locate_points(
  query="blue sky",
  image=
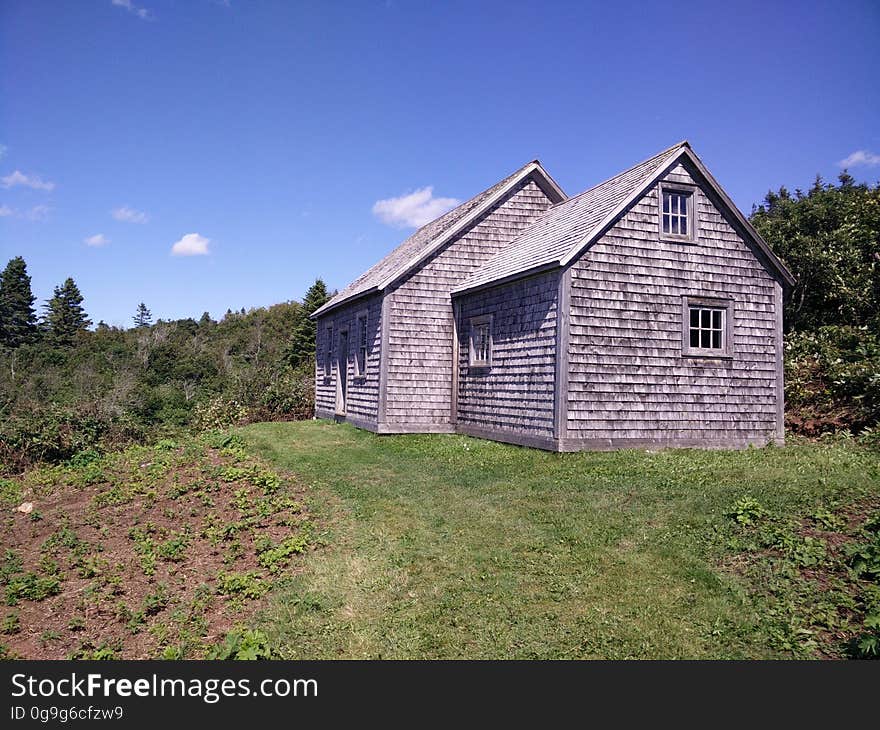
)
(259, 136)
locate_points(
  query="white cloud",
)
(30, 181)
(129, 215)
(414, 209)
(861, 158)
(98, 240)
(38, 213)
(192, 244)
(142, 13)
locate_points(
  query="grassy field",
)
(450, 547)
(316, 540)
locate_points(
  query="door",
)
(342, 372)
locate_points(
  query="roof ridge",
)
(667, 151)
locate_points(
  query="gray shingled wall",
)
(517, 392)
(363, 392)
(419, 385)
(628, 381)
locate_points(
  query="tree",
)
(65, 316)
(302, 342)
(829, 238)
(143, 317)
(18, 319)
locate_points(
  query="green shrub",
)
(746, 511)
(832, 379)
(31, 587)
(218, 413)
(242, 645)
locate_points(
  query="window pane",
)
(666, 202)
(716, 319)
(704, 318)
(695, 317)
(684, 226)
(716, 340)
(695, 338)
(665, 223)
(675, 224)
(704, 338)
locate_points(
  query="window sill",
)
(708, 354)
(670, 238)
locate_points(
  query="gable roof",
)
(563, 231)
(430, 237)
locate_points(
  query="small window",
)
(481, 342)
(677, 217)
(328, 353)
(361, 359)
(707, 327)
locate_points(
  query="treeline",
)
(829, 236)
(65, 388)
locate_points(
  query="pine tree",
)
(65, 316)
(18, 320)
(143, 317)
(302, 343)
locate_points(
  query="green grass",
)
(451, 547)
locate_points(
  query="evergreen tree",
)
(143, 317)
(18, 320)
(302, 343)
(65, 316)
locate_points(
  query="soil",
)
(104, 582)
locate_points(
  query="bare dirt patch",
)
(148, 553)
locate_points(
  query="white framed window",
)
(707, 327)
(328, 352)
(678, 219)
(481, 341)
(360, 361)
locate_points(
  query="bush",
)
(291, 395)
(218, 414)
(57, 434)
(832, 379)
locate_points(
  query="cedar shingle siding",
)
(420, 324)
(628, 381)
(588, 304)
(514, 395)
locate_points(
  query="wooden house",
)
(645, 311)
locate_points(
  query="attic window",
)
(677, 214)
(481, 341)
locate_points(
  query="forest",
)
(68, 385)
